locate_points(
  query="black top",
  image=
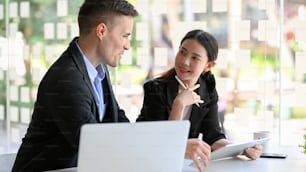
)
(160, 93)
(65, 101)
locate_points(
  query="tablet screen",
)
(232, 150)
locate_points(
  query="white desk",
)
(296, 161)
(6, 162)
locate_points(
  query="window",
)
(261, 72)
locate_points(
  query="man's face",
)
(116, 40)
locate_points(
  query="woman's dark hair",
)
(206, 40)
(93, 12)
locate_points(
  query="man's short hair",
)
(93, 12)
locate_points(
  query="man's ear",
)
(101, 30)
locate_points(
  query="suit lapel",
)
(77, 56)
(78, 59)
(111, 113)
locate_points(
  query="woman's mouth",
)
(184, 70)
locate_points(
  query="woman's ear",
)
(209, 66)
(101, 30)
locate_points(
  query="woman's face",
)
(191, 60)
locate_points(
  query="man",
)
(77, 89)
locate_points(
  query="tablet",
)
(232, 150)
(273, 155)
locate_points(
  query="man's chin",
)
(114, 64)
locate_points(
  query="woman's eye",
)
(182, 52)
(196, 58)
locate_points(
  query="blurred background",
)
(260, 71)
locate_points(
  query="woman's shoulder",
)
(157, 83)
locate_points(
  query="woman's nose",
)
(185, 61)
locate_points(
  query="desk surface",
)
(6, 162)
(295, 161)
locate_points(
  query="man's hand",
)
(196, 149)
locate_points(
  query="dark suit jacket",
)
(65, 101)
(160, 93)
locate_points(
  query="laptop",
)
(157, 146)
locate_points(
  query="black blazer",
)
(160, 93)
(65, 101)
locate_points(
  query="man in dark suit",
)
(76, 89)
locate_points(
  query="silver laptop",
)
(133, 147)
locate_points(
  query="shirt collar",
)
(92, 71)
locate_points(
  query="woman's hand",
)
(188, 96)
(196, 149)
(184, 98)
(253, 152)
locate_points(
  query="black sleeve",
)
(210, 127)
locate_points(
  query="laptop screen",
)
(157, 146)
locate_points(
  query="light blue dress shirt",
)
(96, 76)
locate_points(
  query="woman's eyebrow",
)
(183, 48)
(194, 53)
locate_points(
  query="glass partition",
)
(260, 71)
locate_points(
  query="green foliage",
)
(298, 112)
(304, 146)
(41, 12)
(3, 89)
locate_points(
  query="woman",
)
(188, 92)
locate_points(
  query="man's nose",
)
(127, 45)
